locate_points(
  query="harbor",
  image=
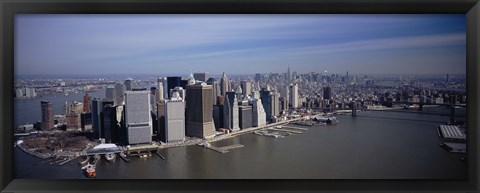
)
(363, 132)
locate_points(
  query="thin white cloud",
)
(383, 44)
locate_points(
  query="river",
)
(373, 145)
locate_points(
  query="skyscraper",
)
(174, 119)
(285, 93)
(294, 95)
(119, 94)
(245, 117)
(199, 111)
(246, 88)
(86, 103)
(215, 89)
(224, 84)
(327, 92)
(47, 115)
(289, 76)
(107, 120)
(275, 97)
(110, 93)
(266, 98)
(138, 121)
(230, 112)
(96, 118)
(201, 76)
(130, 84)
(258, 113)
(160, 86)
(238, 93)
(258, 77)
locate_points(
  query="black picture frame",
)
(11, 7)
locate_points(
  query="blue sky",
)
(239, 44)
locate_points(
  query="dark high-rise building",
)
(218, 116)
(86, 103)
(138, 120)
(109, 121)
(327, 93)
(130, 84)
(172, 82)
(245, 117)
(201, 76)
(106, 119)
(199, 111)
(47, 115)
(161, 120)
(266, 98)
(258, 77)
(183, 84)
(96, 118)
(86, 121)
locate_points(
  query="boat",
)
(327, 120)
(89, 170)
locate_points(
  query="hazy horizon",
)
(239, 44)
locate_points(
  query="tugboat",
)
(89, 170)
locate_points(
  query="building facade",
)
(138, 120)
(199, 114)
(230, 112)
(174, 110)
(47, 115)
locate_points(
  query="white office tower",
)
(224, 84)
(285, 93)
(138, 120)
(159, 95)
(230, 112)
(294, 95)
(246, 88)
(174, 119)
(258, 115)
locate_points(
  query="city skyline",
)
(169, 44)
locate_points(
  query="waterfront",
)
(373, 145)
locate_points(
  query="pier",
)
(286, 130)
(68, 160)
(220, 149)
(292, 127)
(159, 155)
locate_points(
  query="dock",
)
(68, 160)
(220, 149)
(232, 147)
(159, 155)
(292, 127)
(286, 130)
(124, 157)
